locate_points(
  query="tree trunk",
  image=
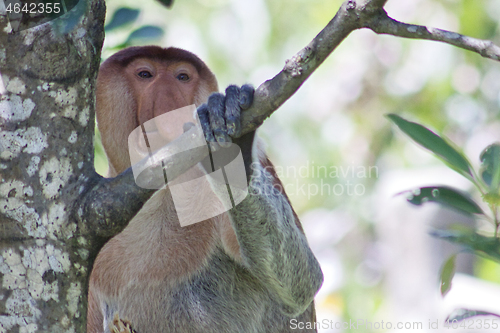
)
(46, 162)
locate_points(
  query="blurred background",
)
(341, 160)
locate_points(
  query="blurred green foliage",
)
(487, 184)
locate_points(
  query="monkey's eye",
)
(183, 77)
(144, 74)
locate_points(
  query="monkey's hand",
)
(220, 117)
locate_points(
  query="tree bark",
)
(46, 163)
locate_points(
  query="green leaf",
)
(166, 3)
(483, 245)
(461, 314)
(444, 195)
(46, 11)
(430, 140)
(143, 34)
(447, 273)
(490, 166)
(492, 199)
(71, 18)
(122, 17)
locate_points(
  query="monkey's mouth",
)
(145, 142)
(159, 131)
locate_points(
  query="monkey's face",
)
(139, 85)
(159, 88)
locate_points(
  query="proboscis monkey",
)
(247, 270)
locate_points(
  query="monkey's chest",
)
(222, 297)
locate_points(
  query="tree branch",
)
(270, 95)
(110, 203)
(378, 3)
(387, 25)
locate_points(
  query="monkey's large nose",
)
(170, 124)
(160, 131)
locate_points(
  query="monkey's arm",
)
(272, 244)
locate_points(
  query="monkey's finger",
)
(205, 123)
(246, 96)
(233, 110)
(217, 122)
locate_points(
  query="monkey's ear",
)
(166, 3)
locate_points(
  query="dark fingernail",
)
(222, 139)
(233, 127)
